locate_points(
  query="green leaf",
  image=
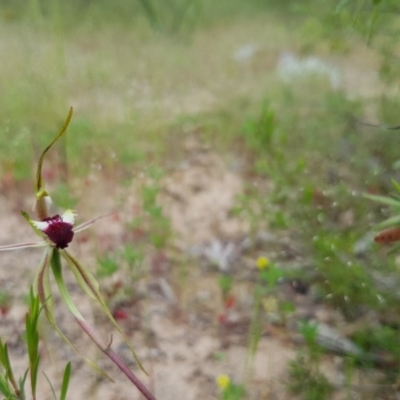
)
(22, 385)
(5, 388)
(390, 222)
(384, 200)
(341, 6)
(5, 361)
(395, 249)
(107, 266)
(65, 382)
(3, 354)
(396, 184)
(32, 339)
(373, 21)
(34, 373)
(151, 13)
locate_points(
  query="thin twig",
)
(389, 128)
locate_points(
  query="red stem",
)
(109, 352)
(130, 375)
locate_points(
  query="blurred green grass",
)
(140, 84)
(124, 79)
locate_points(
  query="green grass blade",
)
(179, 16)
(341, 6)
(396, 184)
(3, 354)
(22, 385)
(5, 388)
(51, 386)
(390, 222)
(388, 201)
(32, 339)
(151, 13)
(65, 382)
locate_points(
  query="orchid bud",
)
(42, 205)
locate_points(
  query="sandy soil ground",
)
(180, 342)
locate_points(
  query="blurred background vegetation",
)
(276, 88)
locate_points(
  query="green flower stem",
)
(32, 340)
(90, 330)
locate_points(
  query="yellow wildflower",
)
(223, 381)
(262, 263)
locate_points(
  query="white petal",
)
(69, 217)
(41, 225)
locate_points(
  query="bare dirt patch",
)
(179, 344)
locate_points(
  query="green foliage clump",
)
(305, 378)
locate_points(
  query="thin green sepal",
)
(89, 284)
(39, 183)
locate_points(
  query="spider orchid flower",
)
(56, 233)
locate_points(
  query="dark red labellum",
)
(59, 232)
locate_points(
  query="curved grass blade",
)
(51, 386)
(388, 201)
(390, 222)
(5, 388)
(22, 385)
(32, 339)
(65, 382)
(5, 361)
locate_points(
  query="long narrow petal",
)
(89, 223)
(43, 288)
(89, 284)
(26, 245)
